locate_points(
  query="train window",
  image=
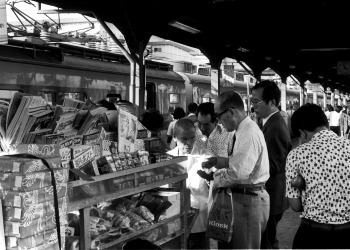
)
(205, 99)
(174, 98)
(76, 95)
(6, 95)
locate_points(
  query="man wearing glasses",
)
(265, 99)
(246, 175)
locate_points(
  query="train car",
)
(64, 71)
(60, 71)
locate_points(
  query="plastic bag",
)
(220, 219)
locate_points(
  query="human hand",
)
(204, 175)
(209, 162)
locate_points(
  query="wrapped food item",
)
(144, 213)
(95, 212)
(127, 203)
(71, 216)
(152, 235)
(120, 221)
(136, 222)
(76, 225)
(72, 243)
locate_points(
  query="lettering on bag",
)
(216, 224)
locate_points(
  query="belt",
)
(325, 227)
(248, 190)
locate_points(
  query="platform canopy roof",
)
(307, 38)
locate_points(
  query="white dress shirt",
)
(249, 162)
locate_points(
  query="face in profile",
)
(185, 139)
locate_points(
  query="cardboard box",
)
(22, 199)
(171, 211)
(25, 165)
(31, 181)
(173, 197)
(34, 211)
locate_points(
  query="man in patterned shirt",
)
(322, 162)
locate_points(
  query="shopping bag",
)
(220, 219)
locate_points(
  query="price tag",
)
(16, 166)
(15, 227)
(17, 201)
(17, 213)
(18, 181)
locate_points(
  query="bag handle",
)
(53, 182)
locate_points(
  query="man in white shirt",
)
(185, 134)
(246, 175)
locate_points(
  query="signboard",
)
(3, 22)
(314, 87)
(343, 67)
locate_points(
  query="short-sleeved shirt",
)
(171, 127)
(324, 163)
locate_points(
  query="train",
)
(64, 70)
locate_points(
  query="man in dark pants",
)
(265, 98)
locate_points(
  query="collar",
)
(267, 118)
(191, 114)
(322, 134)
(243, 124)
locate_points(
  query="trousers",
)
(251, 213)
(313, 235)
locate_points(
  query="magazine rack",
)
(130, 182)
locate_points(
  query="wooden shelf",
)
(127, 172)
(84, 204)
(76, 205)
(139, 232)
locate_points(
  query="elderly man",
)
(318, 182)
(266, 98)
(184, 135)
(246, 175)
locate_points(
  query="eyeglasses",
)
(221, 113)
(256, 103)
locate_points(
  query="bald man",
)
(246, 175)
(185, 136)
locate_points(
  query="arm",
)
(278, 146)
(170, 132)
(295, 204)
(244, 161)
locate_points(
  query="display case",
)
(84, 194)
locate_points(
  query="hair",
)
(179, 113)
(270, 91)
(231, 99)
(308, 117)
(107, 104)
(138, 244)
(330, 107)
(192, 107)
(338, 108)
(152, 119)
(184, 124)
(207, 108)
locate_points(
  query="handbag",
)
(220, 219)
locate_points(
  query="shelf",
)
(169, 237)
(127, 172)
(73, 206)
(139, 232)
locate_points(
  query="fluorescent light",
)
(184, 27)
(243, 49)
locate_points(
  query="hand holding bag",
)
(220, 219)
